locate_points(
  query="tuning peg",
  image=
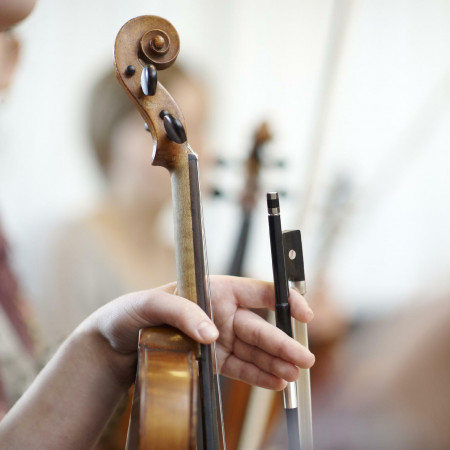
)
(221, 162)
(130, 71)
(149, 80)
(274, 164)
(174, 128)
(218, 193)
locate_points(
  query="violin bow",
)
(287, 265)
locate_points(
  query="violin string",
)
(211, 312)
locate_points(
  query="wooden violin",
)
(174, 381)
(238, 392)
(249, 197)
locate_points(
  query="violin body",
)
(174, 374)
(167, 378)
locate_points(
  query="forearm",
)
(70, 401)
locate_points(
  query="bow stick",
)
(283, 312)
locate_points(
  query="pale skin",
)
(71, 400)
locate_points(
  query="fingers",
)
(249, 373)
(300, 309)
(249, 293)
(159, 307)
(267, 363)
(255, 331)
(122, 319)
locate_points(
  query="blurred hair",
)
(109, 105)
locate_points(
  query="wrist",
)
(120, 368)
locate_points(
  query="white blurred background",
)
(361, 87)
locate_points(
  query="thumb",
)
(121, 320)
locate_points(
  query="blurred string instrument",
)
(338, 27)
(240, 418)
(176, 392)
(249, 197)
(266, 407)
(263, 407)
(236, 392)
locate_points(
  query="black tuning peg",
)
(149, 80)
(221, 162)
(130, 71)
(174, 128)
(217, 193)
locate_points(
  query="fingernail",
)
(309, 314)
(207, 331)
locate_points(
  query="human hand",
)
(248, 347)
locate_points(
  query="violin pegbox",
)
(143, 46)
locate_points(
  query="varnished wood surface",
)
(167, 380)
(127, 52)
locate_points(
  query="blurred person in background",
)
(124, 243)
(17, 332)
(113, 249)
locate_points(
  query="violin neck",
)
(192, 281)
(248, 202)
(236, 266)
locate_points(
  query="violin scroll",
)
(153, 39)
(143, 46)
(262, 134)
